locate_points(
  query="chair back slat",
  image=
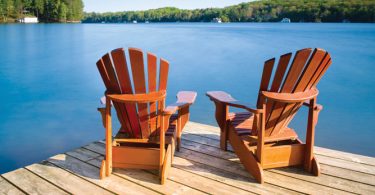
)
(139, 81)
(291, 109)
(280, 72)
(163, 79)
(277, 110)
(113, 87)
(303, 73)
(135, 119)
(132, 122)
(266, 77)
(152, 74)
(278, 78)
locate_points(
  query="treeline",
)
(256, 11)
(45, 10)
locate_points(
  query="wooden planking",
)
(228, 178)
(139, 81)
(346, 164)
(8, 188)
(202, 131)
(143, 178)
(348, 174)
(345, 156)
(201, 167)
(270, 177)
(149, 180)
(208, 135)
(90, 173)
(31, 183)
(205, 184)
(326, 180)
(213, 140)
(64, 179)
(192, 180)
(83, 154)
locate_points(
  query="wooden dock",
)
(199, 168)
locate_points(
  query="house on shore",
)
(28, 20)
(216, 20)
(285, 20)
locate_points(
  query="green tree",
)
(62, 12)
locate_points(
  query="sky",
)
(132, 5)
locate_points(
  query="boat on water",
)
(135, 22)
(285, 20)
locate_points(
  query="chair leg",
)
(102, 173)
(178, 144)
(247, 157)
(166, 165)
(315, 167)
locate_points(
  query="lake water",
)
(51, 88)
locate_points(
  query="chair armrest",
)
(138, 98)
(291, 97)
(184, 98)
(227, 99)
(317, 106)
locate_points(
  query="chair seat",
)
(242, 122)
(169, 134)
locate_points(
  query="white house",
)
(28, 20)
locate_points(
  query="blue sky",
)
(126, 5)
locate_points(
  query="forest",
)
(45, 10)
(255, 11)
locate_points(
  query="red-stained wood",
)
(146, 140)
(152, 76)
(139, 81)
(266, 76)
(261, 137)
(114, 88)
(122, 71)
(278, 111)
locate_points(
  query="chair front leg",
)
(261, 126)
(310, 135)
(108, 137)
(221, 115)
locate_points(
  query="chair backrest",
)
(290, 76)
(137, 120)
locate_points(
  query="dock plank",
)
(194, 181)
(144, 178)
(91, 173)
(8, 188)
(270, 177)
(345, 156)
(200, 167)
(65, 179)
(327, 180)
(228, 177)
(348, 174)
(30, 183)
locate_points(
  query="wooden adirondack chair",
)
(146, 139)
(260, 136)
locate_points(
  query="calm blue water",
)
(50, 87)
